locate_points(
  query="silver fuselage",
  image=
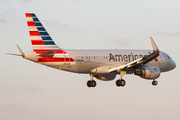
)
(86, 60)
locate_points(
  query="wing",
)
(139, 62)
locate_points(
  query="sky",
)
(29, 91)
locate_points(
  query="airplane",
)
(100, 64)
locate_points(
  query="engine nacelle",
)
(150, 72)
(105, 77)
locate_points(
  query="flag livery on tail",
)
(42, 41)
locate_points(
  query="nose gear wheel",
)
(120, 82)
(154, 82)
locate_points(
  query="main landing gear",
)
(121, 82)
(91, 83)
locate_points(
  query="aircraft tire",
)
(120, 83)
(123, 82)
(89, 83)
(154, 82)
(93, 83)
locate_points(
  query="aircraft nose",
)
(172, 64)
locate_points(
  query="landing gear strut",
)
(121, 82)
(91, 83)
(154, 82)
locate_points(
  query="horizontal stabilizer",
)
(20, 51)
(13, 54)
(48, 54)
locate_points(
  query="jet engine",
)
(105, 77)
(150, 72)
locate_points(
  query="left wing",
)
(139, 62)
(48, 54)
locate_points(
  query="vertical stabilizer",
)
(40, 39)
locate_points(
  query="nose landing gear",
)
(154, 82)
(120, 82)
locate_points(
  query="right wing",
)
(139, 62)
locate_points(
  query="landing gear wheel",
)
(123, 82)
(91, 83)
(120, 82)
(154, 82)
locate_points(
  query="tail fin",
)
(40, 39)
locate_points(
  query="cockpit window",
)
(168, 57)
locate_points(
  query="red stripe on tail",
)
(34, 33)
(28, 15)
(37, 42)
(31, 24)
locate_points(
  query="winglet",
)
(20, 51)
(155, 48)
